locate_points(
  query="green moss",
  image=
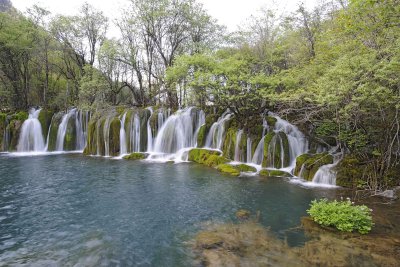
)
(245, 168)
(53, 131)
(349, 172)
(201, 137)
(20, 116)
(267, 140)
(90, 148)
(70, 135)
(286, 149)
(228, 148)
(135, 156)
(115, 127)
(215, 160)
(229, 169)
(274, 173)
(311, 163)
(44, 118)
(271, 121)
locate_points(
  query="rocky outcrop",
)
(308, 164)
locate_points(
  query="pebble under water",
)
(72, 210)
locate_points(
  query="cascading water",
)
(248, 151)
(122, 136)
(237, 156)
(178, 134)
(298, 143)
(106, 134)
(81, 124)
(259, 152)
(134, 136)
(31, 137)
(215, 136)
(62, 129)
(326, 174)
(98, 142)
(149, 132)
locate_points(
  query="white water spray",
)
(31, 138)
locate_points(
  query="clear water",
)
(71, 210)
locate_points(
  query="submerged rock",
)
(243, 214)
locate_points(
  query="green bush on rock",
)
(342, 215)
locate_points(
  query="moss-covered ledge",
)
(135, 156)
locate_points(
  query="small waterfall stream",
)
(122, 136)
(81, 125)
(31, 137)
(215, 136)
(248, 151)
(134, 136)
(106, 134)
(238, 155)
(62, 129)
(149, 132)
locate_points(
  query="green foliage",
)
(343, 215)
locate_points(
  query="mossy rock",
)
(267, 140)
(215, 160)
(44, 118)
(228, 148)
(271, 121)
(310, 163)
(349, 172)
(199, 155)
(70, 135)
(14, 129)
(20, 116)
(90, 148)
(274, 173)
(245, 168)
(114, 145)
(135, 156)
(201, 136)
(3, 126)
(229, 169)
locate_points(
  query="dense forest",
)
(333, 71)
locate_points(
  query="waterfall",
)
(298, 143)
(48, 133)
(134, 136)
(326, 174)
(178, 134)
(215, 136)
(248, 151)
(31, 137)
(160, 119)
(122, 136)
(149, 133)
(237, 156)
(259, 152)
(98, 141)
(106, 134)
(62, 129)
(81, 125)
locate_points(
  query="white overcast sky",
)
(230, 13)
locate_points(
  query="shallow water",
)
(68, 209)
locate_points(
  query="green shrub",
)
(341, 214)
